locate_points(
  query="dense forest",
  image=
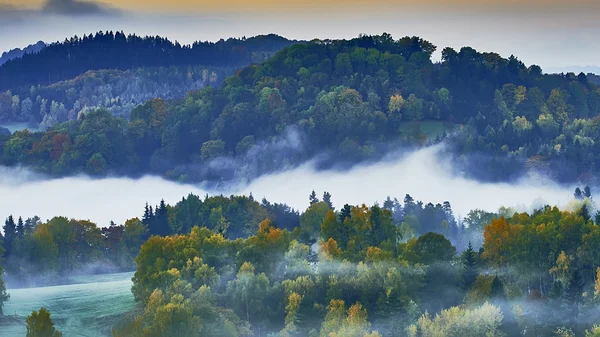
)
(97, 72)
(18, 52)
(114, 50)
(115, 90)
(233, 266)
(346, 101)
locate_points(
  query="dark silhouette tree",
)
(20, 228)
(345, 213)
(313, 198)
(469, 267)
(10, 235)
(327, 199)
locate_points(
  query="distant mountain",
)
(75, 56)
(18, 52)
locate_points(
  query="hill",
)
(18, 52)
(352, 100)
(118, 73)
(77, 55)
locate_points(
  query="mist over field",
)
(87, 308)
(422, 174)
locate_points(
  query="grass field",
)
(88, 309)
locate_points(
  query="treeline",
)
(18, 52)
(352, 100)
(42, 254)
(535, 275)
(114, 50)
(39, 253)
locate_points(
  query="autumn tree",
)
(39, 324)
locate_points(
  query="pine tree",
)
(497, 294)
(10, 234)
(313, 198)
(345, 213)
(327, 199)
(585, 213)
(147, 218)
(587, 192)
(469, 267)
(578, 194)
(20, 228)
(388, 204)
(159, 222)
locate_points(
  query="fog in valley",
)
(421, 174)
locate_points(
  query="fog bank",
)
(421, 174)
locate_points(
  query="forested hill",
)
(18, 52)
(352, 99)
(65, 60)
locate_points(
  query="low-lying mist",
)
(422, 174)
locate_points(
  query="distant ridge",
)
(114, 50)
(18, 52)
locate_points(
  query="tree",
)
(39, 324)
(587, 192)
(593, 332)
(20, 228)
(4, 296)
(345, 213)
(312, 218)
(10, 235)
(248, 294)
(578, 194)
(485, 320)
(96, 165)
(433, 247)
(327, 199)
(313, 197)
(469, 267)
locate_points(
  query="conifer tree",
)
(469, 265)
(20, 228)
(10, 234)
(327, 199)
(313, 198)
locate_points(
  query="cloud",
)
(77, 7)
(11, 13)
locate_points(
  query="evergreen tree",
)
(388, 204)
(573, 296)
(148, 215)
(469, 267)
(10, 234)
(345, 213)
(585, 213)
(578, 194)
(159, 222)
(497, 293)
(587, 192)
(313, 198)
(31, 224)
(327, 199)
(20, 228)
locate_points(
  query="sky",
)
(559, 35)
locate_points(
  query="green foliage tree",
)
(39, 324)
